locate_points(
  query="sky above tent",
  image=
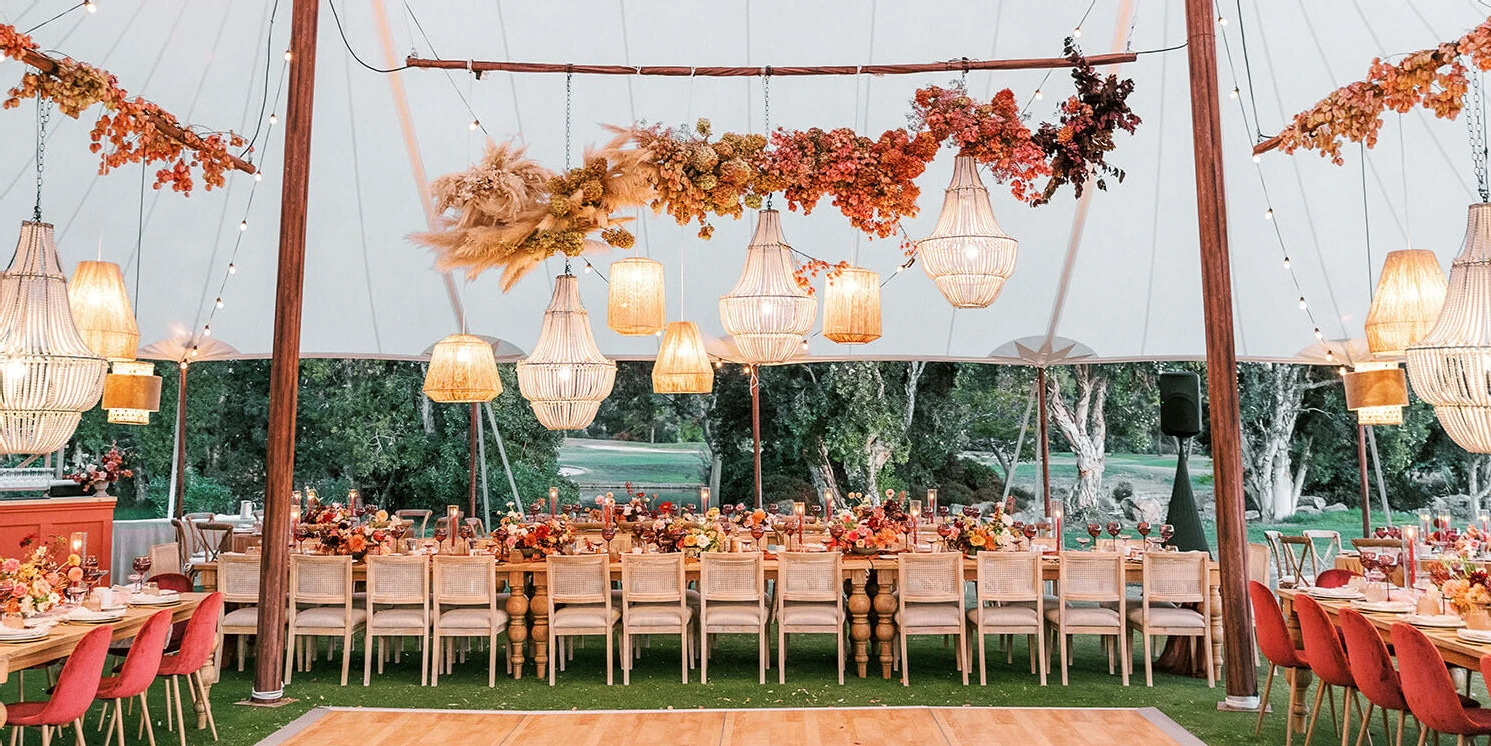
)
(1119, 278)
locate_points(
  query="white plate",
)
(1443, 621)
(94, 617)
(115, 607)
(164, 599)
(1383, 607)
(1482, 636)
(27, 635)
(1335, 594)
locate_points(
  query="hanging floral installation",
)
(131, 130)
(509, 213)
(1432, 78)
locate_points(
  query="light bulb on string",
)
(1234, 93)
(258, 176)
(274, 118)
(194, 351)
(243, 225)
(1222, 20)
(1268, 214)
(207, 330)
(1077, 33)
(219, 302)
(90, 6)
(1319, 335)
(1257, 158)
(232, 268)
(1341, 371)
(1330, 356)
(1039, 95)
(1302, 304)
(1286, 262)
(288, 55)
(587, 268)
(475, 123)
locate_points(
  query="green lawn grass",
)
(617, 462)
(733, 684)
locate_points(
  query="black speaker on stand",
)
(1180, 416)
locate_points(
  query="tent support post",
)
(1387, 510)
(471, 448)
(1040, 381)
(179, 488)
(1361, 458)
(502, 451)
(1221, 355)
(284, 371)
(756, 428)
(481, 454)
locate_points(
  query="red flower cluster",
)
(991, 133)
(109, 469)
(872, 182)
(1078, 145)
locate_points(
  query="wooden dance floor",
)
(927, 726)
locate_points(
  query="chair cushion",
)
(1478, 717)
(247, 616)
(24, 713)
(931, 615)
(399, 618)
(473, 618)
(1085, 616)
(1006, 616)
(583, 616)
(328, 617)
(1169, 617)
(810, 614)
(658, 615)
(734, 613)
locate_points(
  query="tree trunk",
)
(1269, 475)
(1085, 428)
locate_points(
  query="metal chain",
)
(1477, 127)
(569, 79)
(766, 100)
(43, 117)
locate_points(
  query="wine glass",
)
(1369, 565)
(1380, 532)
(945, 531)
(1093, 530)
(1030, 531)
(1166, 531)
(1113, 529)
(1387, 561)
(758, 530)
(441, 534)
(140, 565)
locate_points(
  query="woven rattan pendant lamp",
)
(566, 378)
(1377, 392)
(462, 370)
(768, 313)
(101, 309)
(851, 306)
(1451, 366)
(1410, 293)
(968, 255)
(682, 365)
(48, 375)
(634, 299)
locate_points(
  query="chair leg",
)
(703, 659)
(367, 655)
(1366, 721)
(206, 703)
(1064, 638)
(983, 663)
(242, 650)
(782, 657)
(1039, 639)
(626, 657)
(1268, 687)
(1320, 690)
(77, 726)
(175, 684)
(346, 653)
(145, 717)
(687, 652)
(610, 657)
(1148, 661)
(424, 658)
(112, 707)
(905, 661)
(492, 657)
(290, 651)
(839, 637)
(963, 661)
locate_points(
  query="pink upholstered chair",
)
(141, 665)
(1430, 691)
(196, 650)
(74, 692)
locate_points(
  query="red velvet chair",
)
(1429, 690)
(1333, 578)
(172, 581)
(1276, 645)
(136, 675)
(76, 686)
(196, 649)
(1372, 668)
(1327, 657)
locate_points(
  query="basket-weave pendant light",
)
(48, 375)
(1451, 366)
(462, 370)
(1377, 392)
(1410, 293)
(635, 304)
(566, 378)
(968, 255)
(131, 393)
(682, 365)
(101, 310)
(851, 306)
(768, 313)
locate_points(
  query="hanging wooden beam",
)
(284, 371)
(1221, 355)
(1267, 145)
(187, 138)
(684, 71)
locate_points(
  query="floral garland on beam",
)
(1432, 78)
(510, 213)
(131, 130)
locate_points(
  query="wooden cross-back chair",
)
(1298, 564)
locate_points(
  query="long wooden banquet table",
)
(528, 612)
(16, 657)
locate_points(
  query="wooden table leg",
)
(1216, 628)
(517, 621)
(859, 625)
(540, 609)
(885, 631)
(1299, 709)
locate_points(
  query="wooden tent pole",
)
(1040, 375)
(181, 441)
(1361, 457)
(1221, 355)
(756, 429)
(284, 370)
(471, 446)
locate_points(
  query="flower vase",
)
(100, 488)
(863, 551)
(528, 552)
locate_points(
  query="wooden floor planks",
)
(945, 726)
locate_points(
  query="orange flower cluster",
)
(131, 130)
(991, 133)
(809, 269)
(1432, 78)
(695, 177)
(872, 182)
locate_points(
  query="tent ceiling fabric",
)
(1134, 291)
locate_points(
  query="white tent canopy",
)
(1123, 282)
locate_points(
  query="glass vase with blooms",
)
(536, 539)
(971, 535)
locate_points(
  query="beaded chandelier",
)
(1410, 293)
(768, 313)
(566, 378)
(968, 255)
